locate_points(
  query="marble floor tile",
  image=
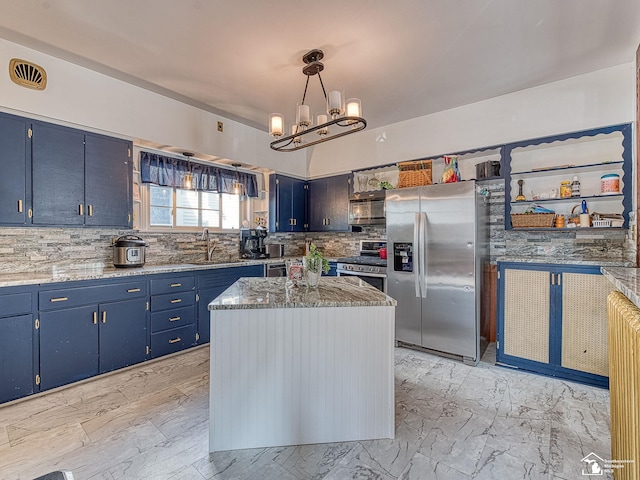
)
(458, 438)
(314, 462)
(453, 422)
(421, 468)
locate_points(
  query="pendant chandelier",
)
(344, 117)
(188, 178)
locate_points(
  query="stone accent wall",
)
(25, 250)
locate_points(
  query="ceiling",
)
(403, 59)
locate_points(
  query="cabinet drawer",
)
(226, 276)
(173, 318)
(172, 284)
(172, 300)
(173, 340)
(72, 297)
(15, 304)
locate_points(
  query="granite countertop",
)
(626, 280)
(550, 259)
(97, 271)
(248, 293)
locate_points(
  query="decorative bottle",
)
(575, 187)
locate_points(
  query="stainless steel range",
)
(367, 266)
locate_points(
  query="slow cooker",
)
(129, 251)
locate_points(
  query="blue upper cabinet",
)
(14, 160)
(287, 204)
(55, 175)
(58, 175)
(535, 170)
(108, 178)
(329, 203)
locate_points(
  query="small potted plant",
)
(314, 266)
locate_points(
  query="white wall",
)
(80, 97)
(601, 98)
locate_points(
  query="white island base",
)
(291, 376)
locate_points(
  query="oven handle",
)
(346, 273)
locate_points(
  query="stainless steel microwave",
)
(367, 210)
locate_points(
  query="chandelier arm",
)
(306, 85)
(324, 92)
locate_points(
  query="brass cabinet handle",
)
(133, 290)
(80, 210)
(175, 340)
(104, 316)
(176, 300)
(19, 206)
(553, 279)
(174, 319)
(559, 277)
(175, 285)
(58, 299)
(95, 318)
(90, 208)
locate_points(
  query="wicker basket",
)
(414, 174)
(532, 220)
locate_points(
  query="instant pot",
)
(129, 251)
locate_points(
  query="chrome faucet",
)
(210, 245)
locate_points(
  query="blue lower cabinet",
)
(172, 340)
(173, 313)
(212, 283)
(68, 346)
(122, 334)
(552, 319)
(17, 376)
(333, 269)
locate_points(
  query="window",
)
(177, 207)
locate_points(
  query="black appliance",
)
(252, 243)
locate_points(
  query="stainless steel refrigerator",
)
(437, 243)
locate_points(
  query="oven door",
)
(378, 280)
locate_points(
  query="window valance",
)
(172, 172)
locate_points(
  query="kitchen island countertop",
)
(626, 280)
(252, 292)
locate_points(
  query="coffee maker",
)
(252, 243)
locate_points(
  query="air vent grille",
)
(27, 74)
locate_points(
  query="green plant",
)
(315, 261)
(386, 185)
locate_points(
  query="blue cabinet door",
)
(14, 181)
(212, 283)
(68, 346)
(122, 334)
(108, 172)
(16, 357)
(287, 204)
(58, 175)
(317, 204)
(329, 204)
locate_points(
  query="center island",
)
(291, 365)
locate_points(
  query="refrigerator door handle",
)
(423, 254)
(416, 255)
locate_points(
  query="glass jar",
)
(565, 189)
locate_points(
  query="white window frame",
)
(145, 220)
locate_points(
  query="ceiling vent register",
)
(27, 74)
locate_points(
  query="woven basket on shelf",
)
(535, 220)
(414, 174)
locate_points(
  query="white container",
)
(610, 184)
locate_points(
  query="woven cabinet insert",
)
(526, 314)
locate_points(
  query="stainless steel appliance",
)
(367, 209)
(252, 243)
(368, 266)
(275, 250)
(275, 270)
(438, 242)
(129, 251)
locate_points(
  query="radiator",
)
(624, 384)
